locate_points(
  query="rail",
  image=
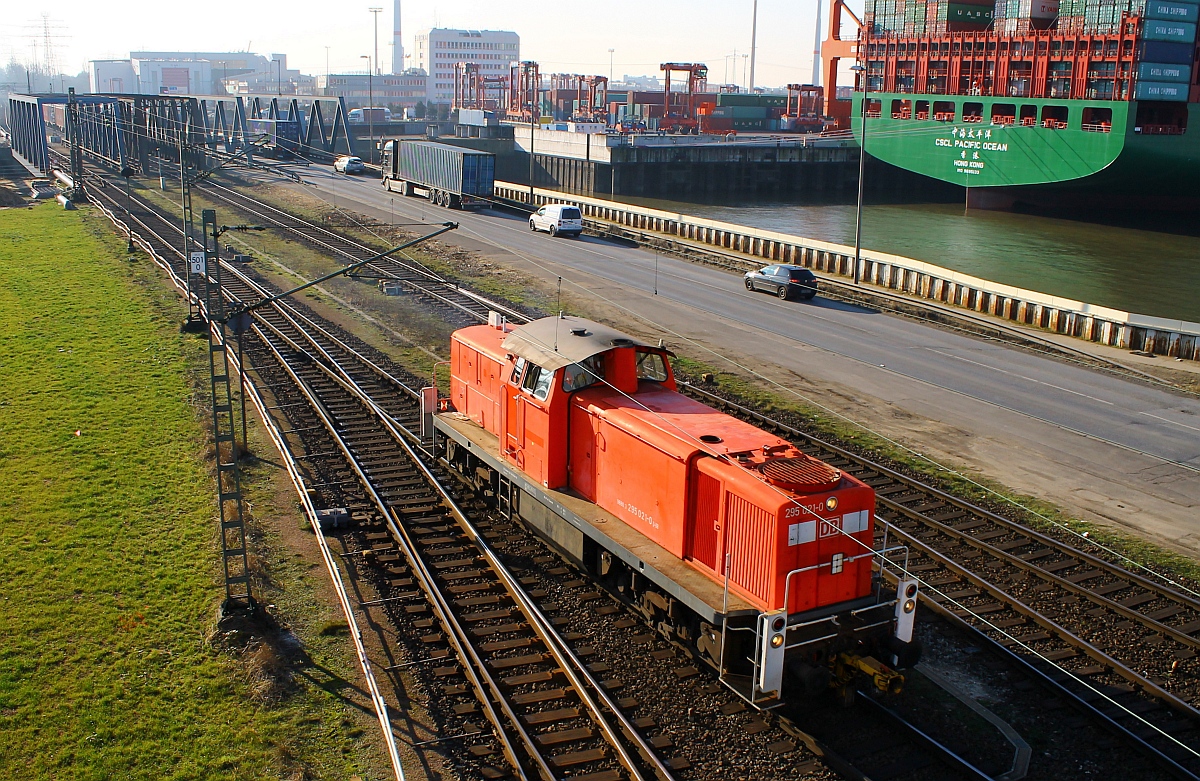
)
(334, 371)
(598, 701)
(377, 701)
(1156, 710)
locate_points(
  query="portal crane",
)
(475, 90)
(682, 118)
(524, 92)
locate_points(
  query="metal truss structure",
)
(580, 98)
(524, 92)
(475, 90)
(128, 131)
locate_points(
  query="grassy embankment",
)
(108, 564)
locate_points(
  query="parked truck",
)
(450, 176)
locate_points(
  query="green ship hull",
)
(1107, 163)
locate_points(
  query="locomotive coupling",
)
(885, 678)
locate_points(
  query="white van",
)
(557, 219)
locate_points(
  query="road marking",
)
(1167, 420)
(1014, 374)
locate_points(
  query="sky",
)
(571, 37)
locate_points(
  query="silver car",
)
(349, 164)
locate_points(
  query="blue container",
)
(1166, 51)
(1175, 32)
(1157, 90)
(1172, 11)
(1165, 72)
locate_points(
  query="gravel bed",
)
(1065, 743)
(717, 735)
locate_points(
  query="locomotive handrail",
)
(882, 553)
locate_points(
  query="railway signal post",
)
(238, 595)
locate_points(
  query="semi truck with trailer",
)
(450, 176)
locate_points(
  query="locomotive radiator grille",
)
(801, 473)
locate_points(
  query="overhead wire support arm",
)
(244, 309)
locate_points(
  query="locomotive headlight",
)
(831, 503)
(776, 641)
(910, 605)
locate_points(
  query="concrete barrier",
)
(1114, 327)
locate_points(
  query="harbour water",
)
(1136, 269)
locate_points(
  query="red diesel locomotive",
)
(726, 537)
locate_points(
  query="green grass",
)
(108, 566)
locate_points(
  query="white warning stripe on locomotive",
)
(800, 533)
(852, 523)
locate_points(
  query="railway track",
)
(445, 296)
(500, 658)
(514, 656)
(1117, 642)
(462, 307)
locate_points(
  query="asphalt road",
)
(1098, 445)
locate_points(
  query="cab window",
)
(581, 375)
(651, 366)
(518, 367)
(537, 382)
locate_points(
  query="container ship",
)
(1065, 102)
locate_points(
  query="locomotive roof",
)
(576, 339)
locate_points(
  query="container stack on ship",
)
(1073, 102)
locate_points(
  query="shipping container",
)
(1172, 10)
(910, 17)
(1175, 32)
(1166, 51)
(278, 138)
(1159, 71)
(1154, 90)
(448, 175)
(746, 99)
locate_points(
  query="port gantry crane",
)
(524, 92)
(475, 90)
(682, 118)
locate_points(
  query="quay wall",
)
(1113, 327)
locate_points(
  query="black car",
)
(784, 281)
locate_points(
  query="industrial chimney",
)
(397, 46)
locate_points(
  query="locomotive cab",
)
(592, 418)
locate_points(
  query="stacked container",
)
(912, 17)
(1021, 16)
(1166, 50)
